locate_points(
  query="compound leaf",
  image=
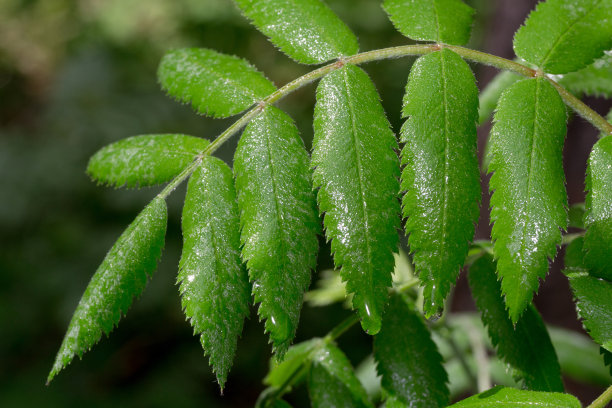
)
(526, 345)
(121, 276)
(144, 160)
(598, 219)
(215, 84)
(563, 36)
(445, 21)
(594, 80)
(306, 30)
(213, 282)
(529, 200)
(441, 175)
(503, 397)
(356, 170)
(332, 381)
(279, 220)
(408, 359)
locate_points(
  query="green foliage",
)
(445, 21)
(306, 30)
(598, 218)
(146, 160)
(399, 348)
(214, 286)
(279, 220)
(121, 276)
(529, 199)
(440, 176)
(537, 367)
(563, 36)
(296, 357)
(356, 169)
(215, 84)
(490, 95)
(501, 397)
(594, 80)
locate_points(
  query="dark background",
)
(77, 75)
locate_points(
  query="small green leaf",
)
(213, 282)
(215, 84)
(574, 256)
(536, 366)
(279, 220)
(441, 175)
(502, 397)
(594, 304)
(490, 95)
(445, 21)
(563, 36)
(598, 219)
(121, 277)
(356, 170)
(332, 382)
(408, 359)
(146, 160)
(306, 30)
(576, 215)
(529, 200)
(594, 80)
(295, 359)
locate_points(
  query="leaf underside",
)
(145, 160)
(306, 30)
(214, 285)
(598, 219)
(526, 345)
(563, 36)
(502, 397)
(404, 350)
(356, 170)
(332, 381)
(279, 220)
(121, 276)
(594, 80)
(441, 175)
(445, 21)
(215, 84)
(529, 200)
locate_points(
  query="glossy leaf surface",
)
(332, 382)
(121, 276)
(144, 160)
(445, 21)
(408, 359)
(525, 346)
(215, 84)
(306, 30)
(502, 397)
(356, 170)
(563, 36)
(594, 80)
(598, 219)
(529, 200)
(279, 220)
(441, 177)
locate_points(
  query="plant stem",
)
(603, 400)
(342, 327)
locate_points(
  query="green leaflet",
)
(296, 357)
(563, 36)
(529, 200)
(526, 345)
(121, 276)
(306, 30)
(594, 80)
(574, 258)
(279, 220)
(598, 219)
(445, 21)
(441, 175)
(502, 397)
(213, 282)
(594, 304)
(490, 95)
(408, 359)
(146, 160)
(576, 215)
(332, 382)
(356, 170)
(215, 84)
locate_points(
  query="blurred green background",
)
(77, 75)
